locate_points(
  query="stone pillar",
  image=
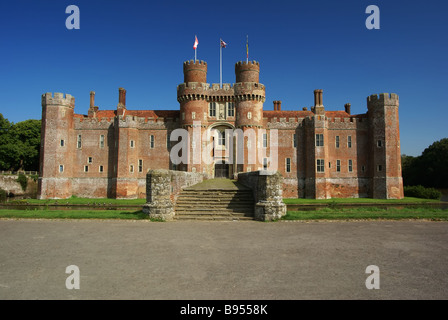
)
(269, 204)
(158, 195)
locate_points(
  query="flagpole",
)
(220, 63)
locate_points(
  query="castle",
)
(321, 154)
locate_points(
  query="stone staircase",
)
(215, 204)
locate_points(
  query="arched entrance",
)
(222, 168)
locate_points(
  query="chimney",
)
(318, 93)
(122, 97)
(305, 109)
(347, 108)
(92, 99)
(279, 105)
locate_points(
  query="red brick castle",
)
(321, 154)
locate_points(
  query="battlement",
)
(58, 99)
(383, 98)
(247, 71)
(248, 63)
(190, 63)
(195, 71)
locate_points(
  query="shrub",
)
(422, 192)
(23, 180)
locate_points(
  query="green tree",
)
(19, 145)
(430, 169)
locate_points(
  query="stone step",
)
(212, 217)
(214, 202)
(247, 211)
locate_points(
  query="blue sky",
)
(301, 46)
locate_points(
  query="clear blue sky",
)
(301, 46)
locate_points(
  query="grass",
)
(358, 201)
(75, 200)
(73, 214)
(372, 213)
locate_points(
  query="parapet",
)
(247, 71)
(195, 71)
(383, 99)
(66, 100)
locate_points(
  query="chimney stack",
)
(122, 97)
(92, 99)
(275, 105)
(318, 93)
(348, 108)
(279, 105)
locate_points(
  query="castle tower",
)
(57, 144)
(249, 98)
(384, 136)
(192, 96)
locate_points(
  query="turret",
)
(57, 139)
(384, 136)
(192, 94)
(249, 95)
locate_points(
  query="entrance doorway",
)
(221, 170)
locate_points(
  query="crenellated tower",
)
(57, 144)
(192, 96)
(384, 140)
(249, 98)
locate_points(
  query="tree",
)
(19, 145)
(430, 169)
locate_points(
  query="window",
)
(379, 143)
(363, 168)
(294, 139)
(320, 165)
(350, 165)
(101, 169)
(349, 141)
(319, 140)
(212, 109)
(89, 160)
(379, 168)
(168, 142)
(230, 109)
(86, 168)
(337, 141)
(140, 165)
(151, 141)
(329, 165)
(249, 169)
(61, 168)
(102, 141)
(132, 143)
(193, 115)
(221, 138)
(265, 140)
(265, 163)
(249, 115)
(183, 115)
(79, 142)
(62, 143)
(131, 168)
(288, 164)
(338, 165)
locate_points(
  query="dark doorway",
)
(221, 170)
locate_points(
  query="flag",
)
(223, 44)
(196, 42)
(247, 48)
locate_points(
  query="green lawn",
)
(75, 200)
(73, 214)
(369, 213)
(358, 201)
